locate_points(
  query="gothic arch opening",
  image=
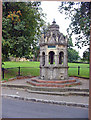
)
(43, 58)
(51, 57)
(61, 57)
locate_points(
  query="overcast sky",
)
(51, 9)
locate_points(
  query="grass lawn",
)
(84, 70)
(9, 73)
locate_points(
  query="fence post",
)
(19, 71)
(78, 70)
(3, 73)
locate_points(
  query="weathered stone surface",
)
(53, 54)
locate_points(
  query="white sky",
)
(51, 9)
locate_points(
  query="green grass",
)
(9, 73)
(84, 71)
(21, 64)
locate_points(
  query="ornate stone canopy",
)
(53, 36)
(53, 54)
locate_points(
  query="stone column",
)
(46, 60)
(65, 58)
(56, 60)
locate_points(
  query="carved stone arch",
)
(61, 57)
(51, 57)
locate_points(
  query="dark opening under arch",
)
(43, 58)
(51, 57)
(61, 56)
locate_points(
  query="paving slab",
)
(85, 82)
(25, 93)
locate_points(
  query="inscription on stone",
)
(51, 46)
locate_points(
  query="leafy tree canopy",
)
(86, 55)
(73, 55)
(21, 27)
(79, 13)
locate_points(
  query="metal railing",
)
(18, 70)
(19, 73)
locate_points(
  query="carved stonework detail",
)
(53, 54)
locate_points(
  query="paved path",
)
(85, 83)
(23, 93)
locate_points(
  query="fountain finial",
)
(53, 20)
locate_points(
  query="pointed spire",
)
(54, 21)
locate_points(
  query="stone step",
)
(37, 81)
(59, 93)
(50, 89)
(69, 93)
(52, 81)
(48, 84)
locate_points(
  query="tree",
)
(36, 52)
(5, 50)
(73, 55)
(79, 13)
(86, 55)
(45, 27)
(70, 44)
(21, 27)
